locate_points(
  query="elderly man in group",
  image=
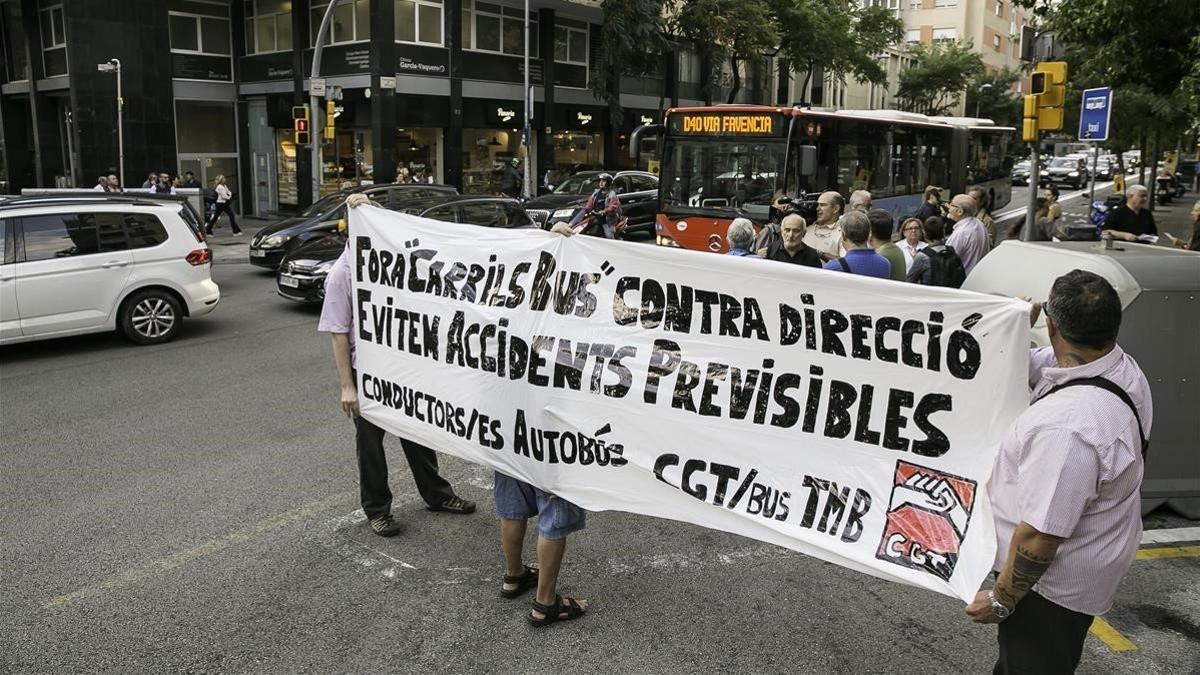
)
(825, 233)
(1131, 219)
(969, 237)
(790, 246)
(860, 200)
(1065, 484)
(860, 258)
(741, 238)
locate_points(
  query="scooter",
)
(1163, 190)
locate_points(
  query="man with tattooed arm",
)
(1065, 485)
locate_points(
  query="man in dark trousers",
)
(1065, 485)
(1131, 219)
(337, 319)
(511, 179)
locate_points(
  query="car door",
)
(10, 318)
(72, 269)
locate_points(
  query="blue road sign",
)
(1094, 114)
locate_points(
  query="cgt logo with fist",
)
(927, 519)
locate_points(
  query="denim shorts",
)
(518, 500)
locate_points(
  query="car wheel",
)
(150, 317)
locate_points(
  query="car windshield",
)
(322, 205)
(1064, 163)
(723, 174)
(578, 185)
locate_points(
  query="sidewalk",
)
(229, 249)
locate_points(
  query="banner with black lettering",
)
(848, 418)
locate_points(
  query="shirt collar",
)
(1057, 374)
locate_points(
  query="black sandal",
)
(524, 581)
(572, 609)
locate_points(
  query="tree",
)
(936, 80)
(991, 94)
(735, 30)
(633, 34)
(835, 36)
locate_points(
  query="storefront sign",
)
(417, 60)
(847, 418)
(201, 67)
(583, 118)
(342, 59)
(263, 67)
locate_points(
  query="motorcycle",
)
(1163, 190)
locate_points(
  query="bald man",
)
(970, 237)
(825, 234)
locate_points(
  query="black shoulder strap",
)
(845, 265)
(1112, 388)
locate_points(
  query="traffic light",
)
(300, 124)
(1049, 84)
(329, 120)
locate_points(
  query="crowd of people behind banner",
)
(1066, 479)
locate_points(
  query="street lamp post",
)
(114, 66)
(979, 96)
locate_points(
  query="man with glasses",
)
(969, 238)
(825, 234)
(1065, 485)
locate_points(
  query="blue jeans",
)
(518, 500)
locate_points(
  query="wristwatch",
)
(998, 608)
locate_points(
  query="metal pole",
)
(1092, 189)
(120, 127)
(1034, 175)
(526, 131)
(314, 113)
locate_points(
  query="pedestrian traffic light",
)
(300, 125)
(1049, 84)
(330, 116)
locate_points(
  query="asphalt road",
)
(192, 507)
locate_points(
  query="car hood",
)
(318, 250)
(292, 226)
(555, 201)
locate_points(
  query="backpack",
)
(945, 267)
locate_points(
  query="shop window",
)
(570, 44)
(484, 152)
(268, 26)
(417, 152)
(490, 27)
(419, 21)
(351, 21)
(54, 41)
(205, 127)
(196, 34)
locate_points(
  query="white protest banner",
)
(851, 419)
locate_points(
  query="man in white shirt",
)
(1066, 482)
(969, 238)
(825, 234)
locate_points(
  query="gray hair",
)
(966, 203)
(856, 227)
(1134, 190)
(860, 199)
(740, 233)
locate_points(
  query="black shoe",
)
(385, 526)
(455, 504)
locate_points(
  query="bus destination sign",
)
(727, 124)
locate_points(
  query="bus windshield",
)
(722, 174)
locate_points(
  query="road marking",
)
(1173, 535)
(1169, 552)
(163, 565)
(1111, 636)
(1011, 213)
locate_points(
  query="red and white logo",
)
(927, 519)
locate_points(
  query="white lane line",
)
(329, 535)
(1171, 536)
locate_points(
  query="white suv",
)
(87, 264)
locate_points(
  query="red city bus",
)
(728, 161)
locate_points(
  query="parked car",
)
(636, 190)
(270, 244)
(1064, 171)
(302, 271)
(1020, 172)
(91, 262)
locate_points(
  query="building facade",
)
(430, 87)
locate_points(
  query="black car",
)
(270, 244)
(302, 272)
(636, 190)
